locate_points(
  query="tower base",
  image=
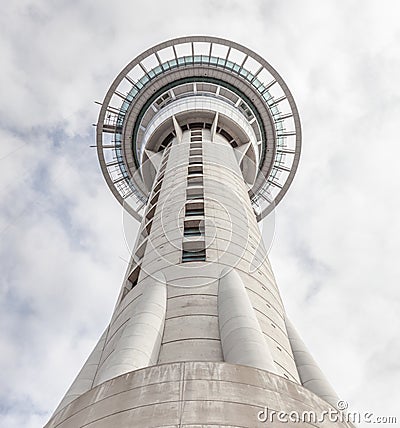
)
(195, 395)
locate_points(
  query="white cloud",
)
(337, 242)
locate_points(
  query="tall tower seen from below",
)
(198, 138)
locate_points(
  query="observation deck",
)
(198, 82)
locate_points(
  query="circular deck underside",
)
(144, 82)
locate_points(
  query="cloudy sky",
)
(337, 241)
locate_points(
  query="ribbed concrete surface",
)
(191, 394)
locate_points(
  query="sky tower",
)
(199, 138)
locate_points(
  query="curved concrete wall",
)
(310, 374)
(241, 336)
(140, 341)
(192, 395)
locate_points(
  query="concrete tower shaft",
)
(197, 152)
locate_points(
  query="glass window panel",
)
(219, 50)
(252, 65)
(150, 62)
(236, 56)
(183, 49)
(136, 73)
(201, 48)
(166, 54)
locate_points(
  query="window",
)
(151, 212)
(195, 169)
(195, 181)
(133, 277)
(194, 209)
(154, 199)
(131, 281)
(164, 161)
(225, 134)
(193, 228)
(195, 145)
(196, 126)
(195, 152)
(192, 231)
(160, 177)
(195, 159)
(194, 193)
(193, 256)
(245, 109)
(162, 99)
(141, 249)
(148, 226)
(157, 188)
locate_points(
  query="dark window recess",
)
(166, 142)
(195, 145)
(195, 139)
(194, 193)
(154, 199)
(234, 143)
(148, 227)
(225, 134)
(246, 110)
(193, 256)
(162, 99)
(194, 211)
(196, 125)
(144, 233)
(194, 208)
(134, 276)
(195, 159)
(197, 164)
(192, 231)
(160, 177)
(151, 212)
(193, 196)
(140, 250)
(195, 169)
(157, 188)
(131, 282)
(193, 228)
(195, 181)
